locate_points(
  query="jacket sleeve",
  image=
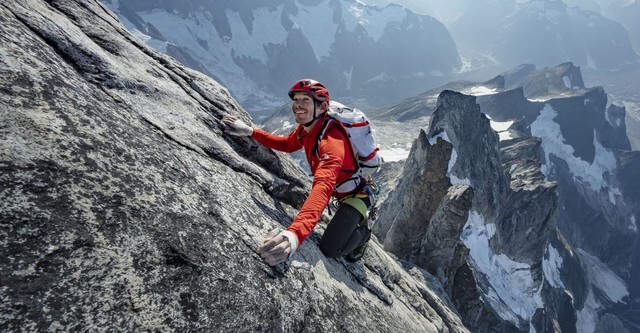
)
(287, 144)
(332, 153)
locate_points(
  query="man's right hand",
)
(278, 247)
(236, 126)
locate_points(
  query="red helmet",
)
(314, 88)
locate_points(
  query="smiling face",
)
(302, 107)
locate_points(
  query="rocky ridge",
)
(459, 158)
(548, 215)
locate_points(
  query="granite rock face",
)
(404, 215)
(124, 207)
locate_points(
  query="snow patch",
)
(250, 44)
(443, 135)
(286, 126)
(603, 278)
(458, 181)
(380, 77)
(567, 82)
(479, 91)
(466, 66)
(309, 19)
(373, 20)
(502, 128)
(506, 135)
(633, 226)
(553, 142)
(538, 100)
(606, 115)
(452, 161)
(588, 316)
(394, 154)
(491, 230)
(551, 267)
(512, 281)
(348, 77)
(613, 192)
(453, 178)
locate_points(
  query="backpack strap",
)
(323, 131)
(371, 155)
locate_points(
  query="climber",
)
(348, 233)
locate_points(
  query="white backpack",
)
(363, 144)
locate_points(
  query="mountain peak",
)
(259, 49)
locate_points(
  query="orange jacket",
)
(331, 169)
